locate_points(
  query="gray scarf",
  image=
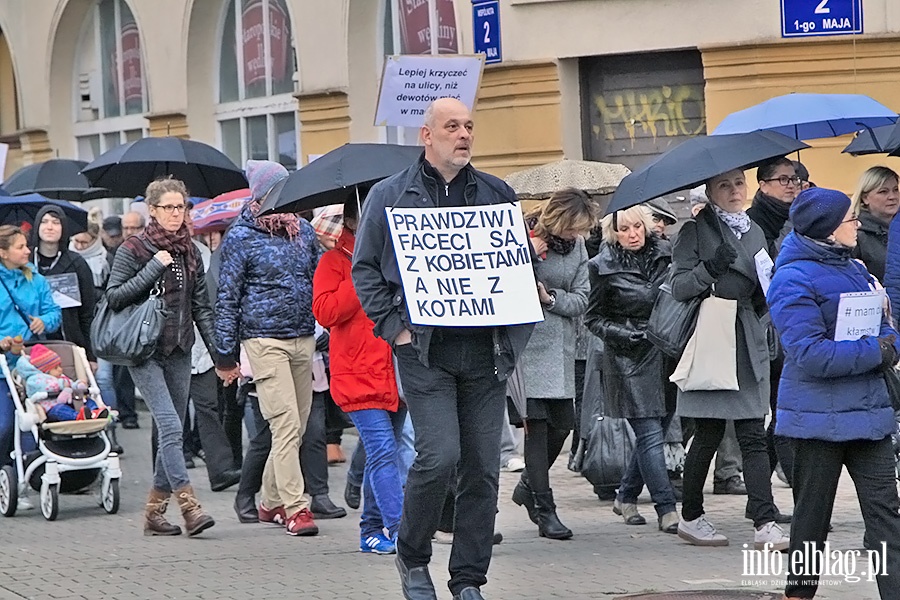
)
(738, 223)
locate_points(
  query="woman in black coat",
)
(625, 279)
(52, 257)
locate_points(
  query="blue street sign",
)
(486, 24)
(803, 18)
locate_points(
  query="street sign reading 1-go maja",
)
(802, 18)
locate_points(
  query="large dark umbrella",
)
(694, 161)
(331, 178)
(880, 140)
(127, 169)
(58, 178)
(19, 210)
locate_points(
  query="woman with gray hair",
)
(625, 278)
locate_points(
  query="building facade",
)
(613, 80)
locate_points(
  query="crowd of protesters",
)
(293, 323)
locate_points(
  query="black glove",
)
(322, 342)
(718, 264)
(888, 352)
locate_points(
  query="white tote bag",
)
(709, 361)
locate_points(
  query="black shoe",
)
(733, 486)
(352, 495)
(782, 518)
(549, 525)
(322, 507)
(130, 424)
(498, 537)
(189, 462)
(523, 497)
(469, 593)
(245, 508)
(225, 480)
(416, 582)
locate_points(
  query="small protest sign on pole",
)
(410, 83)
(465, 267)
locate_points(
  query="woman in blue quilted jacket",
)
(832, 399)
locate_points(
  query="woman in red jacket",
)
(363, 384)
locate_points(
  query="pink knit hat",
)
(43, 358)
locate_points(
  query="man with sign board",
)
(442, 265)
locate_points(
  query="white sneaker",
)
(771, 537)
(24, 504)
(513, 465)
(442, 537)
(700, 532)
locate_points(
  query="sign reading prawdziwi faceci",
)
(465, 266)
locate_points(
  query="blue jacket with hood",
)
(829, 390)
(32, 296)
(265, 286)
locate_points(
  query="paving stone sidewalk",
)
(88, 554)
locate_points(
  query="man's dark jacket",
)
(376, 274)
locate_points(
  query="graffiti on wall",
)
(663, 111)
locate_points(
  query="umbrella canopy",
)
(879, 140)
(809, 116)
(127, 169)
(19, 210)
(330, 178)
(698, 159)
(58, 178)
(592, 177)
(218, 213)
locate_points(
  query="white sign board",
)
(859, 314)
(4, 152)
(410, 83)
(465, 266)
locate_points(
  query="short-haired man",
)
(133, 223)
(453, 377)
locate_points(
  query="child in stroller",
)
(65, 400)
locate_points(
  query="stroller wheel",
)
(109, 495)
(9, 491)
(50, 501)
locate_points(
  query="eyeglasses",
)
(785, 180)
(172, 208)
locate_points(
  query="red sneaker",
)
(301, 523)
(272, 515)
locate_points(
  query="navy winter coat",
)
(829, 390)
(265, 286)
(892, 269)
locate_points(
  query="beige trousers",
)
(282, 372)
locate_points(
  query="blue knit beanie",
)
(262, 175)
(817, 212)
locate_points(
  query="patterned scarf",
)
(177, 243)
(283, 224)
(738, 223)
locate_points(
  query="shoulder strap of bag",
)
(18, 308)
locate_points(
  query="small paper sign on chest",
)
(465, 266)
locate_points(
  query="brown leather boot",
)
(154, 521)
(195, 520)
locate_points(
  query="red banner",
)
(252, 40)
(132, 74)
(415, 35)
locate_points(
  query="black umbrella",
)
(696, 160)
(878, 140)
(331, 178)
(127, 169)
(58, 178)
(16, 210)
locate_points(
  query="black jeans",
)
(580, 367)
(751, 435)
(125, 397)
(313, 458)
(457, 409)
(817, 469)
(232, 414)
(779, 447)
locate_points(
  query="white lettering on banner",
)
(410, 83)
(465, 267)
(859, 314)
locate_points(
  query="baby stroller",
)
(71, 455)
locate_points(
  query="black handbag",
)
(892, 380)
(672, 322)
(128, 337)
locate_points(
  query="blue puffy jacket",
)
(829, 390)
(32, 296)
(892, 269)
(265, 286)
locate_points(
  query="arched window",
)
(256, 110)
(110, 90)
